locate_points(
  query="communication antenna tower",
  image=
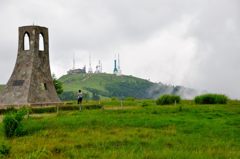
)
(90, 65)
(119, 68)
(73, 61)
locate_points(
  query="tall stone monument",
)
(31, 82)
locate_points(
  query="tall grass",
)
(12, 123)
(168, 99)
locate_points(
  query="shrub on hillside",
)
(144, 104)
(114, 98)
(4, 150)
(12, 123)
(68, 95)
(168, 99)
(211, 99)
(57, 84)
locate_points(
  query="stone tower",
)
(31, 82)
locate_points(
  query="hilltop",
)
(108, 85)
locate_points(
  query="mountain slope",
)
(109, 85)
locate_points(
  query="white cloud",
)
(166, 56)
(192, 43)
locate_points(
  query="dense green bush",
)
(4, 150)
(168, 99)
(12, 123)
(211, 99)
(144, 104)
(58, 85)
(137, 89)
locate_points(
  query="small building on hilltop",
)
(77, 71)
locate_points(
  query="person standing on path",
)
(80, 97)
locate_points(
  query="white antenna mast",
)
(90, 65)
(119, 68)
(73, 61)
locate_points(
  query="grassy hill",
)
(97, 81)
(109, 85)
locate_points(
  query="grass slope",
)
(182, 131)
(106, 84)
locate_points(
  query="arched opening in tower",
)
(26, 42)
(41, 42)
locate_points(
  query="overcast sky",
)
(195, 43)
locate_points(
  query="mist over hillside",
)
(104, 85)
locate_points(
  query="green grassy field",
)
(132, 131)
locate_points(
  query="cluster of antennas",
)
(83, 70)
(99, 69)
(98, 66)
